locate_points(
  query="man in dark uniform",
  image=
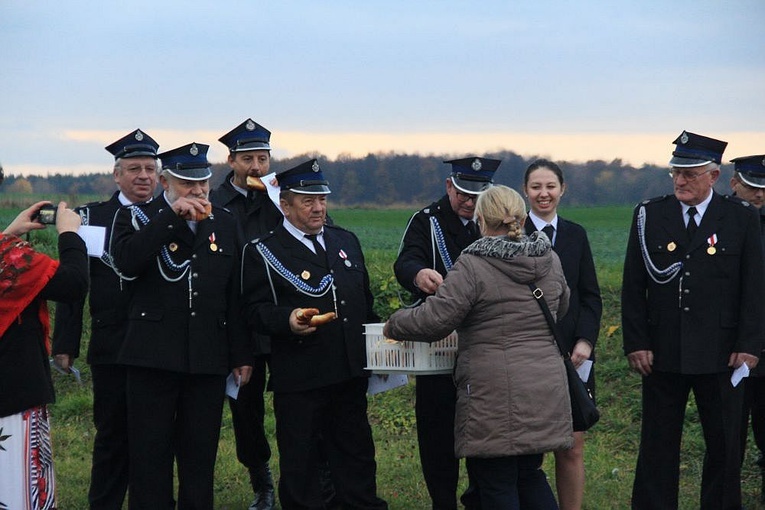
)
(184, 334)
(692, 273)
(250, 157)
(432, 242)
(135, 172)
(748, 183)
(317, 372)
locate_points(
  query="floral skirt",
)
(26, 462)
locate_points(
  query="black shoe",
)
(263, 485)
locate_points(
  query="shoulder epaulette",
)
(738, 200)
(262, 237)
(653, 200)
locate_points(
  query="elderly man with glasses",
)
(433, 239)
(692, 313)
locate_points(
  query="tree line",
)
(411, 180)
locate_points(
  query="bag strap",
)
(539, 296)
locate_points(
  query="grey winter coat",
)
(512, 394)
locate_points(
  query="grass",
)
(611, 448)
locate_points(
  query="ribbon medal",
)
(344, 256)
(213, 246)
(712, 241)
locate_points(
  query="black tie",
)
(317, 246)
(550, 231)
(691, 228)
(472, 229)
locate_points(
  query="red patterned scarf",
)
(23, 274)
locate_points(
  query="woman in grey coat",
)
(512, 394)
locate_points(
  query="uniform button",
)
(686, 291)
(195, 275)
(143, 314)
(170, 227)
(342, 301)
(193, 314)
(194, 256)
(345, 319)
(687, 273)
(686, 309)
(196, 293)
(687, 257)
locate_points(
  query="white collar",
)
(700, 208)
(539, 223)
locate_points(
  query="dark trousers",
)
(657, 474)
(436, 398)
(337, 416)
(754, 406)
(512, 483)
(247, 414)
(109, 473)
(171, 416)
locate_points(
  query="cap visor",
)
(687, 162)
(254, 146)
(316, 189)
(469, 186)
(755, 181)
(191, 174)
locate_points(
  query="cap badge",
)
(315, 166)
(684, 138)
(173, 247)
(138, 135)
(305, 275)
(250, 126)
(671, 246)
(194, 150)
(476, 164)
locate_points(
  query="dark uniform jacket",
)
(256, 216)
(108, 298)
(418, 250)
(181, 319)
(25, 380)
(336, 352)
(585, 305)
(713, 306)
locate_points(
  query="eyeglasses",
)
(688, 176)
(465, 197)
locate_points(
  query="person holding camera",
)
(27, 279)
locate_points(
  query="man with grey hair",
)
(185, 332)
(692, 313)
(135, 174)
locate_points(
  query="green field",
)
(611, 448)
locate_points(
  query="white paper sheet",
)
(273, 191)
(738, 374)
(232, 388)
(94, 237)
(584, 370)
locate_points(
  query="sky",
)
(571, 80)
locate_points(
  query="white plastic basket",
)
(386, 356)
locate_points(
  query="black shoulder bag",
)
(584, 413)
